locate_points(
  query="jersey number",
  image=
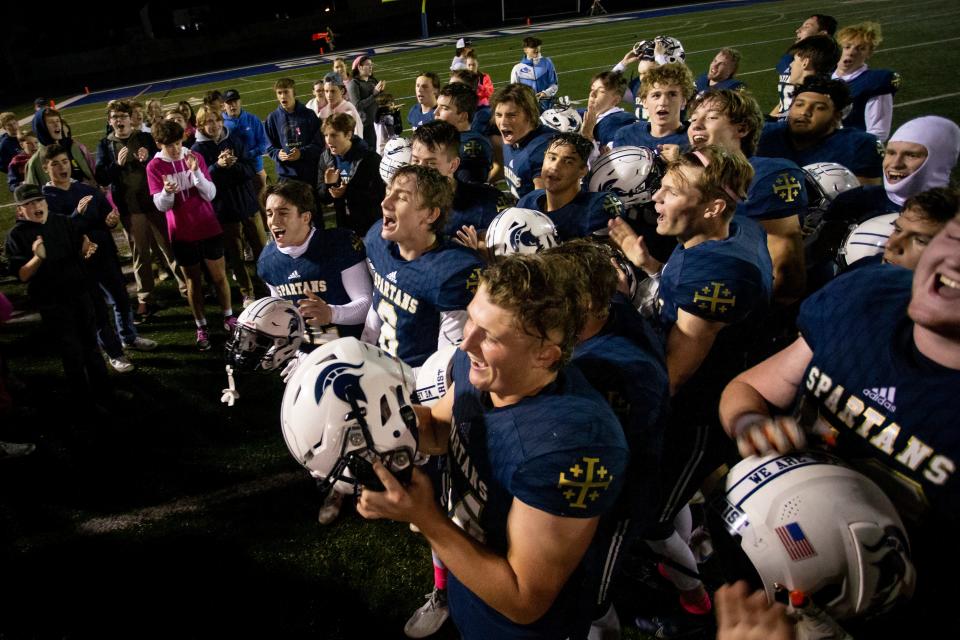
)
(388, 331)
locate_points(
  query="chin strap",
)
(230, 394)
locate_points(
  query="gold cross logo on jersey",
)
(786, 187)
(584, 483)
(473, 280)
(472, 149)
(612, 206)
(720, 299)
(356, 243)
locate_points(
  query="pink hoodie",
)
(190, 216)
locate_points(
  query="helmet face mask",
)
(268, 333)
(517, 230)
(347, 405)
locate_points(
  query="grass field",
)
(178, 515)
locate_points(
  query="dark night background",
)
(61, 52)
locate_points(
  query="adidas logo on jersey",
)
(883, 396)
(294, 275)
(392, 277)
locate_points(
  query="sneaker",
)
(203, 340)
(120, 364)
(428, 619)
(15, 449)
(330, 508)
(229, 323)
(140, 344)
(248, 300)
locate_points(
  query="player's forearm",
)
(740, 399)
(789, 274)
(685, 354)
(487, 575)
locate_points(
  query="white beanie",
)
(941, 137)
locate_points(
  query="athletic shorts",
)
(189, 254)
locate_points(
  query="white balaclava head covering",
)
(941, 137)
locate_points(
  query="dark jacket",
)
(297, 130)
(359, 168)
(236, 198)
(128, 184)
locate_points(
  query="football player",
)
(714, 290)
(604, 117)
(426, 89)
(536, 457)
(920, 155)
(322, 271)
(574, 212)
(524, 138)
(422, 281)
(872, 90)
(777, 196)
(814, 55)
(474, 205)
(878, 354)
(812, 132)
(922, 218)
(721, 73)
(815, 25)
(622, 358)
(664, 92)
(536, 72)
(457, 104)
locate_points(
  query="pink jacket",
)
(190, 216)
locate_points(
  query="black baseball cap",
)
(230, 95)
(27, 193)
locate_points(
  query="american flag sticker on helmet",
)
(795, 542)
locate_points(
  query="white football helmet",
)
(434, 377)
(831, 179)
(809, 524)
(668, 49)
(867, 238)
(517, 230)
(644, 49)
(268, 333)
(347, 405)
(564, 120)
(396, 153)
(631, 173)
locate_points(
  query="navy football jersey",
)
(330, 252)
(785, 89)
(639, 110)
(626, 363)
(586, 213)
(483, 123)
(728, 281)
(409, 296)
(523, 161)
(476, 157)
(561, 451)
(893, 410)
(861, 203)
(857, 150)
(777, 190)
(869, 84)
(417, 118)
(607, 126)
(703, 83)
(475, 205)
(638, 135)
